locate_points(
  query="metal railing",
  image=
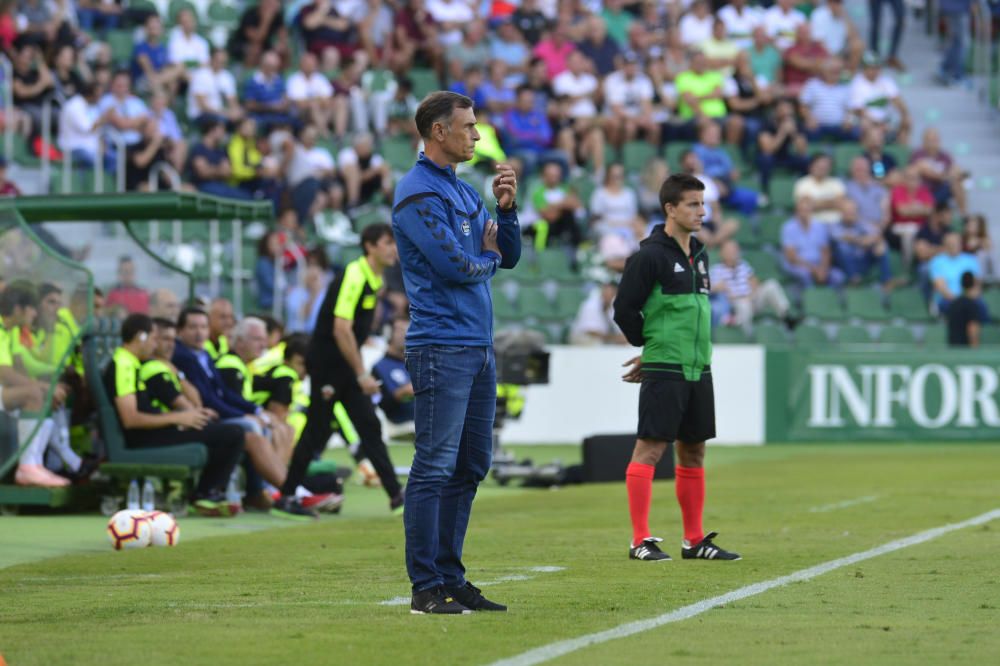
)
(8, 104)
(176, 182)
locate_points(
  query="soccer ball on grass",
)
(165, 530)
(129, 529)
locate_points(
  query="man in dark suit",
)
(199, 369)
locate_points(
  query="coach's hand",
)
(369, 385)
(634, 375)
(505, 186)
(490, 238)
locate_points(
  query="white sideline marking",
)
(560, 648)
(402, 601)
(845, 504)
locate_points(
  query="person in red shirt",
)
(127, 295)
(910, 206)
(803, 60)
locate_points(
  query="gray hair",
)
(243, 329)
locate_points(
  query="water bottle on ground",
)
(148, 496)
(132, 501)
(233, 496)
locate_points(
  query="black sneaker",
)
(436, 601)
(706, 550)
(472, 597)
(648, 550)
(292, 509)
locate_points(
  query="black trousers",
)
(319, 427)
(224, 442)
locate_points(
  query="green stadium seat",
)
(765, 265)
(398, 151)
(504, 308)
(222, 13)
(843, 153)
(822, 303)
(782, 191)
(121, 43)
(554, 263)
(990, 335)
(770, 334)
(368, 218)
(568, 301)
(672, 153)
(584, 187)
(901, 153)
(728, 335)
(635, 155)
(534, 302)
(770, 227)
(908, 303)
(992, 299)
(866, 304)
(425, 81)
(896, 335)
(851, 335)
(807, 335)
(935, 335)
(747, 236)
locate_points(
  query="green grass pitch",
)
(255, 590)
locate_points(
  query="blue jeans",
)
(454, 406)
(875, 16)
(953, 61)
(856, 262)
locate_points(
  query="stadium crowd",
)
(791, 118)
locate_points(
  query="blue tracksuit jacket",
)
(438, 221)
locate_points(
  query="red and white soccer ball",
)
(129, 529)
(165, 530)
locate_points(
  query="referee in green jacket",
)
(662, 306)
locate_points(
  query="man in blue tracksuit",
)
(449, 248)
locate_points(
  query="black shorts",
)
(671, 409)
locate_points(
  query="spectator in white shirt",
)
(826, 192)
(875, 99)
(450, 16)
(576, 88)
(740, 294)
(825, 105)
(594, 323)
(311, 94)
(628, 100)
(833, 28)
(80, 123)
(127, 114)
(212, 92)
(186, 46)
(696, 25)
(740, 20)
(365, 172)
(781, 20)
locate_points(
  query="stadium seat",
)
(222, 13)
(398, 151)
(747, 236)
(908, 303)
(568, 301)
(990, 335)
(121, 43)
(728, 335)
(770, 227)
(535, 303)
(811, 336)
(822, 303)
(770, 334)
(584, 187)
(935, 335)
(554, 263)
(866, 304)
(850, 335)
(635, 155)
(425, 81)
(782, 191)
(765, 265)
(896, 335)
(992, 299)
(672, 153)
(504, 307)
(900, 152)
(843, 153)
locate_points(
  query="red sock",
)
(690, 486)
(639, 483)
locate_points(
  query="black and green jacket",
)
(662, 306)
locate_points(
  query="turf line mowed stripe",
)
(561, 648)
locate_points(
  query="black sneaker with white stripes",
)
(648, 550)
(436, 601)
(706, 550)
